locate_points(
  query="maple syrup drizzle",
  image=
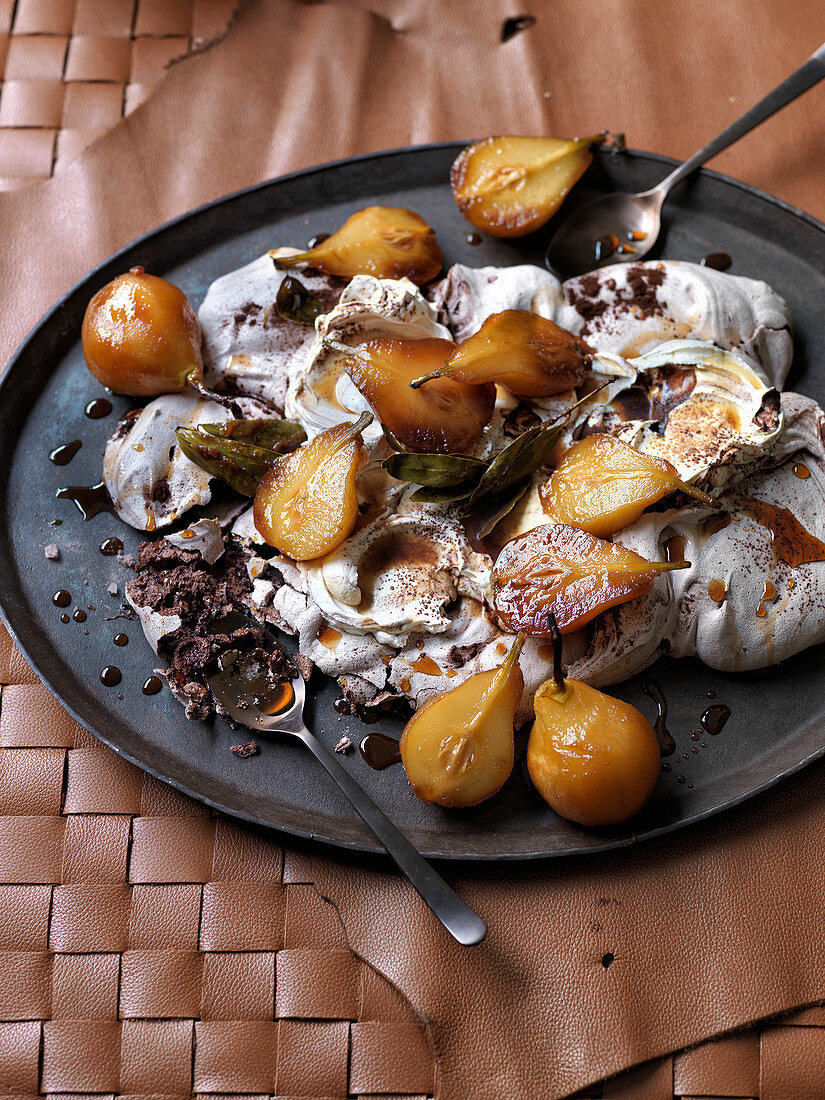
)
(719, 261)
(110, 547)
(714, 718)
(674, 548)
(800, 470)
(89, 499)
(716, 589)
(667, 746)
(329, 637)
(379, 751)
(62, 456)
(98, 408)
(790, 542)
(426, 665)
(713, 524)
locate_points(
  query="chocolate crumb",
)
(194, 689)
(247, 748)
(52, 552)
(344, 745)
(305, 665)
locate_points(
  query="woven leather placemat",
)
(71, 69)
(148, 946)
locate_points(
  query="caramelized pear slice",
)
(306, 503)
(602, 485)
(458, 748)
(440, 418)
(509, 186)
(388, 242)
(591, 757)
(569, 572)
(527, 354)
(140, 336)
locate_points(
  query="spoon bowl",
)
(586, 239)
(607, 230)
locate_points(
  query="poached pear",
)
(440, 418)
(603, 485)
(527, 354)
(306, 503)
(388, 242)
(594, 759)
(509, 186)
(141, 337)
(458, 748)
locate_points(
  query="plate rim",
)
(335, 845)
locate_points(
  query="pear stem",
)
(439, 373)
(363, 421)
(697, 494)
(563, 415)
(556, 642)
(220, 398)
(668, 566)
(512, 657)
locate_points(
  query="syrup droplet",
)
(636, 235)
(89, 499)
(719, 261)
(98, 408)
(380, 751)
(121, 639)
(405, 684)
(665, 767)
(187, 534)
(79, 615)
(716, 589)
(62, 456)
(605, 246)
(680, 779)
(341, 706)
(319, 238)
(427, 665)
(801, 470)
(64, 618)
(674, 548)
(715, 717)
(473, 238)
(667, 746)
(110, 547)
(770, 591)
(62, 598)
(790, 542)
(329, 637)
(111, 676)
(151, 686)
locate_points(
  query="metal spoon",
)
(586, 239)
(266, 707)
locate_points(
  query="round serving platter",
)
(777, 722)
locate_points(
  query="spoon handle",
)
(808, 74)
(459, 920)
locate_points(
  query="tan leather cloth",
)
(710, 928)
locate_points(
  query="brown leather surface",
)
(149, 940)
(72, 69)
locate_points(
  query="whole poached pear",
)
(594, 759)
(140, 337)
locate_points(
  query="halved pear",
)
(443, 417)
(306, 503)
(510, 186)
(603, 485)
(389, 242)
(458, 748)
(527, 354)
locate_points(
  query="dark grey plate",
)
(777, 722)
